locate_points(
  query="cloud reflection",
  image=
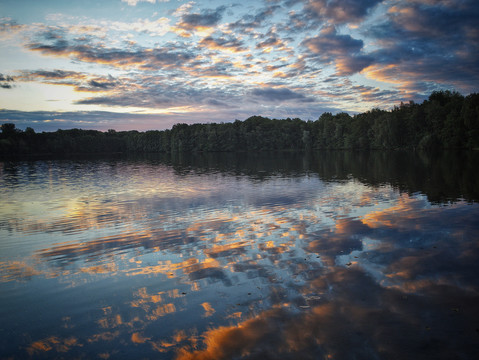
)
(337, 269)
(360, 319)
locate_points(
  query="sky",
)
(149, 64)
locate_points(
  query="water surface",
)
(333, 255)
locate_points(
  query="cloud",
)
(207, 18)
(318, 13)
(101, 84)
(346, 235)
(229, 43)
(353, 64)
(330, 44)
(132, 99)
(158, 27)
(416, 46)
(202, 107)
(249, 23)
(135, 2)
(217, 103)
(6, 81)
(272, 41)
(339, 11)
(363, 319)
(220, 69)
(169, 55)
(9, 26)
(433, 20)
(342, 50)
(100, 29)
(375, 95)
(5, 78)
(153, 93)
(336, 311)
(424, 45)
(400, 296)
(281, 94)
(52, 74)
(81, 81)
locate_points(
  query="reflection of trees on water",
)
(443, 176)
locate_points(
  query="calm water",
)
(334, 256)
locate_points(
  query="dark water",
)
(272, 256)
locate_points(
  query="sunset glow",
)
(148, 64)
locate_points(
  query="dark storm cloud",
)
(281, 94)
(6, 81)
(206, 18)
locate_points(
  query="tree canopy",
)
(445, 120)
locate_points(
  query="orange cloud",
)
(228, 342)
(53, 343)
(16, 270)
(137, 338)
(393, 216)
(208, 309)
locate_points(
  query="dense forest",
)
(446, 120)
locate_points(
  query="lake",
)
(336, 255)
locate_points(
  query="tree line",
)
(446, 120)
